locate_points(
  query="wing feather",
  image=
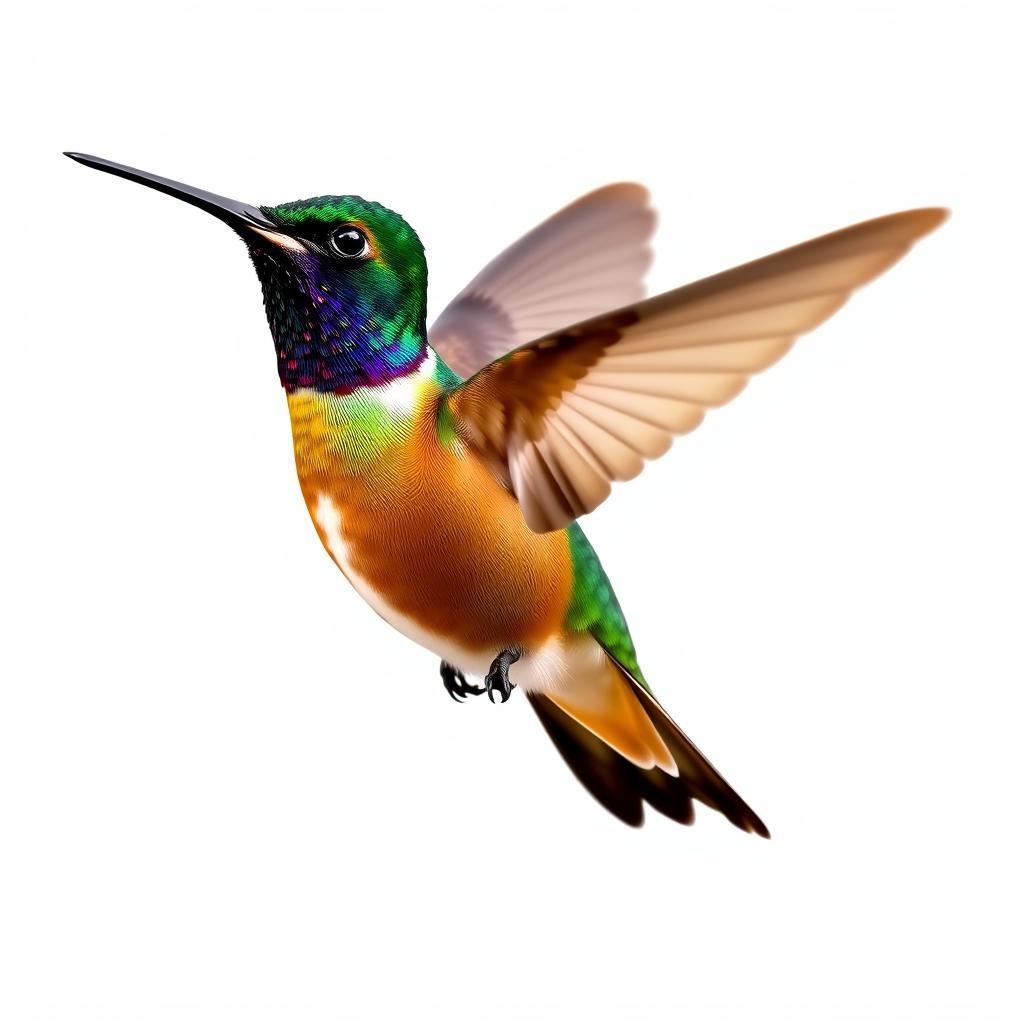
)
(589, 257)
(577, 409)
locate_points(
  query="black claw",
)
(455, 683)
(497, 679)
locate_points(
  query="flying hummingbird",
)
(445, 470)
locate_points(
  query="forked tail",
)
(625, 749)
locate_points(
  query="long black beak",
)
(238, 215)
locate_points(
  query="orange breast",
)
(427, 526)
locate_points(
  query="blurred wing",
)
(587, 258)
(564, 416)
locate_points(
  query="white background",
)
(233, 794)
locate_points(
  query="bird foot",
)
(456, 685)
(497, 680)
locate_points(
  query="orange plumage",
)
(411, 522)
(451, 504)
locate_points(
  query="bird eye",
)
(349, 242)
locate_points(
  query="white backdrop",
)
(205, 817)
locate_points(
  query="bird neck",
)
(365, 432)
(333, 337)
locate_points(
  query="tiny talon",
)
(497, 676)
(455, 683)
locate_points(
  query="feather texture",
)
(622, 785)
(587, 258)
(573, 411)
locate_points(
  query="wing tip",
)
(912, 224)
(926, 219)
(622, 189)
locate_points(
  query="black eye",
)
(349, 242)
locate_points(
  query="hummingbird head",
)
(345, 287)
(344, 282)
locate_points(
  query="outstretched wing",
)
(565, 415)
(587, 258)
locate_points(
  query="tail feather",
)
(616, 783)
(598, 697)
(697, 775)
(622, 786)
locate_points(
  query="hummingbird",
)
(445, 470)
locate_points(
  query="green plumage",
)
(593, 606)
(344, 285)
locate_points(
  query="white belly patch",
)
(538, 670)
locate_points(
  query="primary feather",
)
(568, 413)
(588, 257)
